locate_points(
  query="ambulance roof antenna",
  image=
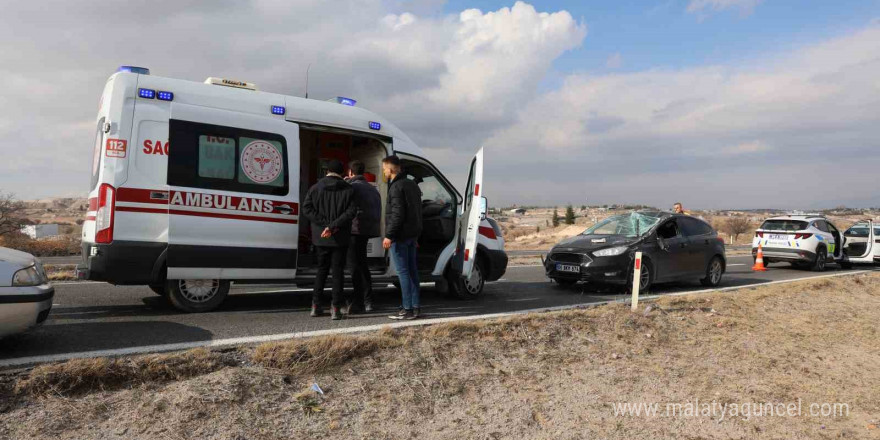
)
(307, 80)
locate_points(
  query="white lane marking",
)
(77, 282)
(13, 362)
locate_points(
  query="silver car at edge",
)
(25, 292)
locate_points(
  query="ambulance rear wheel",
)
(195, 296)
(471, 287)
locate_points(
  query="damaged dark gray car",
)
(674, 247)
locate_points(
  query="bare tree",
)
(737, 226)
(11, 211)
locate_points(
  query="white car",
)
(803, 240)
(25, 292)
(862, 243)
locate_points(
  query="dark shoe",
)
(368, 307)
(402, 314)
(335, 313)
(416, 313)
(354, 309)
(316, 311)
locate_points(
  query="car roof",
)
(798, 217)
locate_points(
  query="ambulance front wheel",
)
(195, 296)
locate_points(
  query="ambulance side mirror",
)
(484, 208)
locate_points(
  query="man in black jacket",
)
(364, 227)
(330, 208)
(403, 225)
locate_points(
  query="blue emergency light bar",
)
(134, 69)
(147, 93)
(278, 110)
(375, 125)
(345, 101)
(165, 96)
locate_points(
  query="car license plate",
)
(778, 237)
(568, 268)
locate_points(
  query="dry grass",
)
(86, 375)
(552, 375)
(311, 355)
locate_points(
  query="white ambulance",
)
(198, 185)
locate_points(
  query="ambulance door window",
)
(227, 159)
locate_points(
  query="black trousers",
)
(360, 270)
(331, 260)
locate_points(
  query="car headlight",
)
(611, 252)
(29, 276)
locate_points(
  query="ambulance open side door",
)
(233, 181)
(471, 214)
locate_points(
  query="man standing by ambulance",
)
(403, 225)
(364, 227)
(330, 208)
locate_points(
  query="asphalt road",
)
(98, 316)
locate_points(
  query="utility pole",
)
(307, 80)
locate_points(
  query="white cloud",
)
(815, 106)
(614, 61)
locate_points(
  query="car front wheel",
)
(646, 277)
(195, 296)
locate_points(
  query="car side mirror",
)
(484, 208)
(662, 244)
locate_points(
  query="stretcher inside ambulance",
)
(195, 186)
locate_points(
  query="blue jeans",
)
(403, 255)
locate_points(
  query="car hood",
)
(17, 258)
(593, 242)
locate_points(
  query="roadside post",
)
(637, 278)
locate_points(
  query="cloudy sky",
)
(717, 103)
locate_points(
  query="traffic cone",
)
(759, 260)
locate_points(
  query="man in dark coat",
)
(364, 227)
(330, 208)
(403, 225)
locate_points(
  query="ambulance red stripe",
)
(204, 214)
(162, 197)
(488, 232)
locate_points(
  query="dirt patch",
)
(548, 376)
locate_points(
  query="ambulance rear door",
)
(234, 197)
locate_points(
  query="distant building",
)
(40, 231)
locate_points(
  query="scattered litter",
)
(317, 389)
(647, 335)
(872, 426)
(615, 356)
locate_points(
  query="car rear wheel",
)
(821, 260)
(714, 272)
(195, 296)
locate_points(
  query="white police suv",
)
(809, 241)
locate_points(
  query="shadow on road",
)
(87, 336)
